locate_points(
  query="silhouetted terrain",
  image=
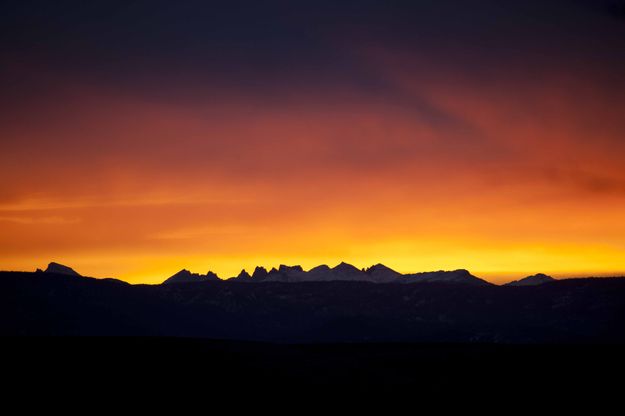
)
(325, 343)
(377, 273)
(205, 372)
(575, 310)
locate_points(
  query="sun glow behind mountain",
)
(423, 138)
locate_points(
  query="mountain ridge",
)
(377, 273)
(343, 271)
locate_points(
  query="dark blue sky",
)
(256, 44)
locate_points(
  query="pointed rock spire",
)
(259, 273)
(243, 275)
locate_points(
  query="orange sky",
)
(489, 169)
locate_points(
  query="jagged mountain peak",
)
(458, 276)
(320, 268)
(185, 276)
(286, 269)
(533, 280)
(378, 267)
(342, 266)
(58, 268)
(259, 273)
(244, 275)
(382, 274)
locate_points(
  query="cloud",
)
(588, 182)
(40, 220)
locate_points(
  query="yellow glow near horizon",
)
(497, 265)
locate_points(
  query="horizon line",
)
(511, 276)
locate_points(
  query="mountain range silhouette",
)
(346, 272)
(377, 273)
(323, 304)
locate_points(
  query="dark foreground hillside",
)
(264, 375)
(569, 311)
(311, 344)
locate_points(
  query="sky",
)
(138, 138)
